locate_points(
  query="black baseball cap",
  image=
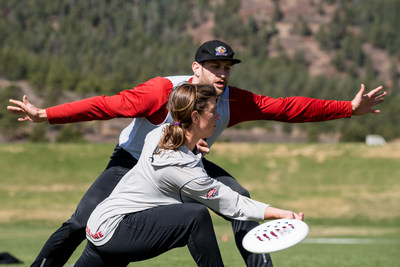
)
(215, 49)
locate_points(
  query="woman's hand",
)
(275, 213)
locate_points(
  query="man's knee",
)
(233, 184)
(90, 257)
(74, 228)
(244, 192)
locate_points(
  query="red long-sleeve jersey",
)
(150, 98)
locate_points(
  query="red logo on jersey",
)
(212, 193)
(97, 235)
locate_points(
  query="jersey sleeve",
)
(222, 199)
(246, 106)
(147, 99)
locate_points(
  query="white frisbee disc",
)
(275, 235)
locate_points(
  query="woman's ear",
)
(195, 117)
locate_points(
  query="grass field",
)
(345, 190)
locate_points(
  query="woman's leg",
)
(147, 234)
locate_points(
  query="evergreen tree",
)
(9, 125)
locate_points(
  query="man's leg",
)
(91, 257)
(149, 233)
(63, 242)
(240, 228)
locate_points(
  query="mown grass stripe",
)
(351, 241)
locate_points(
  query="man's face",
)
(215, 72)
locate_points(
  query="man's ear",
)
(195, 117)
(196, 68)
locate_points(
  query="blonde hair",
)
(185, 99)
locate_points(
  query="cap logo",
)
(220, 51)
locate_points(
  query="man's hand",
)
(31, 112)
(363, 103)
(202, 146)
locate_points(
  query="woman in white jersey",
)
(146, 214)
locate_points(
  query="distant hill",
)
(63, 50)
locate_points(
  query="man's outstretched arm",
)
(145, 100)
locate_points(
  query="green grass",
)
(345, 190)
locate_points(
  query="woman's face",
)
(208, 119)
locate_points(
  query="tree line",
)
(102, 47)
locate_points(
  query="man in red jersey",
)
(146, 103)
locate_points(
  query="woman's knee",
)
(201, 210)
(198, 212)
